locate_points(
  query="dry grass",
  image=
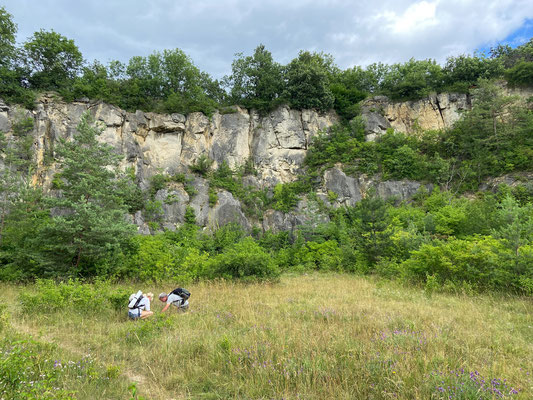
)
(309, 337)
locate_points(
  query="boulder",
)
(228, 210)
(348, 189)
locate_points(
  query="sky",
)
(211, 32)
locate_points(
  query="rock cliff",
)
(276, 144)
(437, 111)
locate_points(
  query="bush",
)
(83, 298)
(202, 165)
(156, 258)
(119, 299)
(158, 182)
(482, 262)
(521, 74)
(245, 259)
(326, 256)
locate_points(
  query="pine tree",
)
(89, 224)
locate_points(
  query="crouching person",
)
(179, 298)
(139, 305)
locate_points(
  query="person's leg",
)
(146, 314)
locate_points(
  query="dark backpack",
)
(183, 293)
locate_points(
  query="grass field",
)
(306, 337)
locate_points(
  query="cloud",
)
(211, 32)
(416, 18)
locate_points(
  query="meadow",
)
(304, 337)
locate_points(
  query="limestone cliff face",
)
(437, 111)
(158, 143)
(169, 143)
(276, 143)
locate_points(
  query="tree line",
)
(169, 81)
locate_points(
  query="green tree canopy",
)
(308, 81)
(256, 81)
(8, 31)
(172, 78)
(468, 69)
(52, 58)
(413, 79)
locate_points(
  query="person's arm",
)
(166, 307)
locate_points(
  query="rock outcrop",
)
(152, 144)
(275, 143)
(156, 143)
(348, 190)
(436, 111)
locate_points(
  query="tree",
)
(12, 74)
(349, 87)
(8, 31)
(467, 70)
(52, 58)
(171, 82)
(96, 82)
(509, 56)
(256, 81)
(412, 80)
(308, 81)
(521, 74)
(516, 224)
(16, 166)
(370, 221)
(22, 209)
(88, 226)
(492, 138)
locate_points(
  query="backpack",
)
(135, 299)
(183, 293)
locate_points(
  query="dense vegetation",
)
(439, 240)
(168, 81)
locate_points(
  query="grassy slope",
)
(309, 337)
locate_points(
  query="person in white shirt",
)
(179, 302)
(142, 310)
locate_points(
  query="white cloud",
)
(417, 17)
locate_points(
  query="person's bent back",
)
(177, 301)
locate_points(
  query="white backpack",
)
(135, 300)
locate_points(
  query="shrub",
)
(156, 258)
(158, 182)
(326, 256)
(202, 165)
(482, 262)
(245, 259)
(213, 197)
(119, 299)
(73, 294)
(285, 197)
(153, 211)
(521, 74)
